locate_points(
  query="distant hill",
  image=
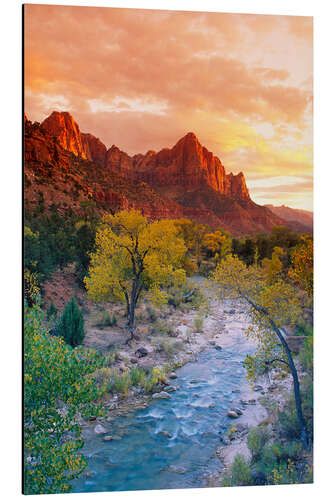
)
(294, 215)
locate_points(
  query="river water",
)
(195, 417)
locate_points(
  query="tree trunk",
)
(297, 392)
(131, 311)
(291, 364)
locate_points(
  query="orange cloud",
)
(141, 79)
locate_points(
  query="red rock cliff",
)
(188, 165)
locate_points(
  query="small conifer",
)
(71, 324)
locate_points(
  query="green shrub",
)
(114, 321)
(303, 328)
(52, 311)
(153, 379)
(240, 473)
(71, 324)
(287, 417)
(162, 327)
(104, 319)
(306, 354)
(137, 375)
(256, 440)
(55, 377)
(121, 383)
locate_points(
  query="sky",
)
(142, 79)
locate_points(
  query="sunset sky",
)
(142, 79)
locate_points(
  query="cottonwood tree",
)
(301, 270)
(218, 244)
(134, 256)
(272, 305)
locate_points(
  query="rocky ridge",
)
(68, 167)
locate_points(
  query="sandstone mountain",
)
(66, 167)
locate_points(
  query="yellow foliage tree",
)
(273, 267)
(218, 243)
(301, 270)
(272, 305)
(193, 235)
(133, 256)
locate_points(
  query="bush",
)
(240, 472)
(55, 377)
(31, 287)
(287, 417)
(114, 321)
(137, 375)
(52, 311)
(169, 347)
(71, 324)
(155, 377)
(198, 323)
(306, 354)
(256, 440)
(121, 383)
(162, 327)
(104, 319)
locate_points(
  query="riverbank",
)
(223, 331)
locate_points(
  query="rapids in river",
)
(172, 442)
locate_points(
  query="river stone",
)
(108, 438)
(133, 361)
(173, 375)
(171, 388)
(232, 414)
(195, 381)
(141, 352)
(165, 433)
(237, 410)
(218, 348)
(161, 395)
(258, 388)
(99, 429)
(175, 468)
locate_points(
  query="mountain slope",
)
(303, 217)
(66, 167)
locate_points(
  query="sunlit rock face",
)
(67, 167)
(93, 147)
(66, 130)
(190, 165)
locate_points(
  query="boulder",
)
(232, 414)
(161, 395)
(165, 433)
(108, 438)
(173, 375)
(171, 388)
(141, 352)
(258, 388)
(99, 429)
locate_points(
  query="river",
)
(172, 442)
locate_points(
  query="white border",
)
(11, 243)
